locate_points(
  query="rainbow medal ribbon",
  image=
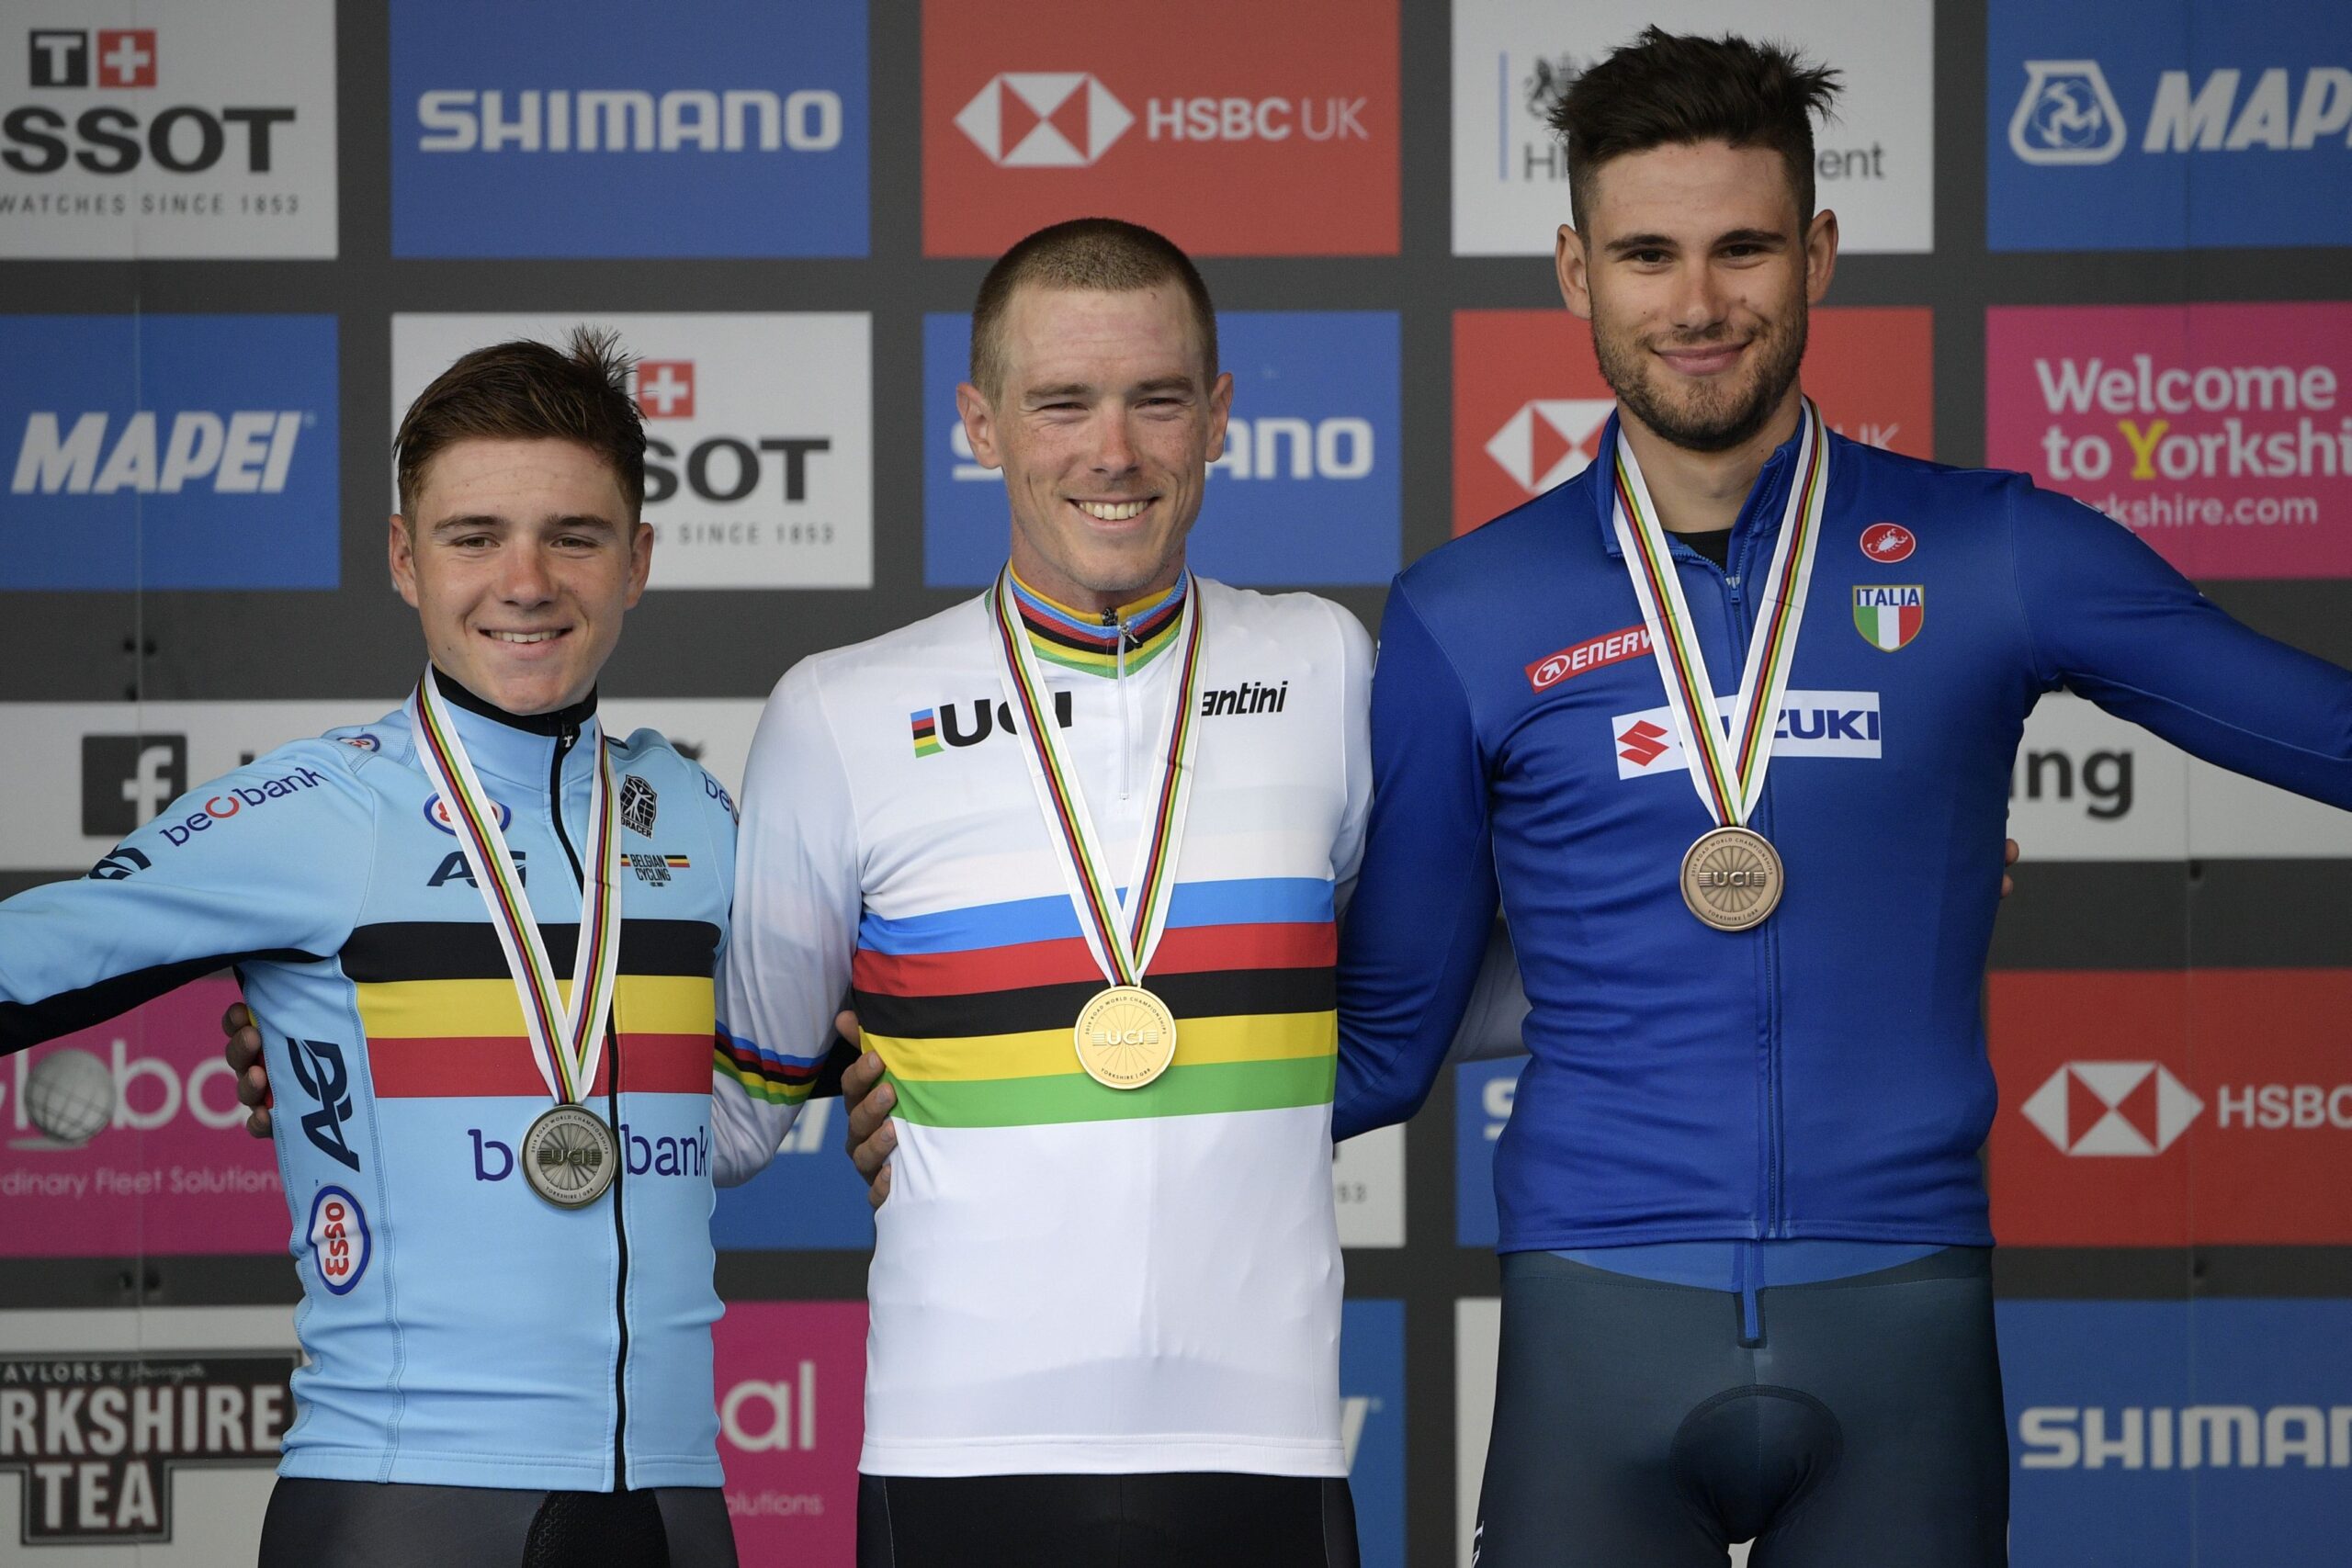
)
(1125, 1035)
(1732, 876)
(570, 1155)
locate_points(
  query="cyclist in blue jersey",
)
(499, 1188)
(1745, 1287)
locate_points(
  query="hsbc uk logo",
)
(63, 57)
(1813, 724)
(1044, 120)
(2112, 1109)
(1550, 440)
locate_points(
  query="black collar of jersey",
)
(561, 721)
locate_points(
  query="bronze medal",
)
(1732, 878)
(1125, 1037)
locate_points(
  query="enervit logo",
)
(2219, 434)
(1252, 130)
(2112, 1107)
(739, 131)
(1812, 724)
(221, 474)
(1610, 648)
(1030, 119)
(175, 139)
(1550, 440)
(1305, 490)
(127, 779)
(757, 466)
(2066, 115)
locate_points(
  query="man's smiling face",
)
(1105, 426)
(520, 560)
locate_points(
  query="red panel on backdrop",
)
(2159, 1108)
(172, 1171)
(1247, 130)
(791, 1382)
(1529, 401)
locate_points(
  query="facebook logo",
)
(1304, 495)
(127, 779)
(735, 129)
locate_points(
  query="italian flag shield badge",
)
(1888, 615)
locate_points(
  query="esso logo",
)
(339, 1239)
(436, 811)
(363, 741)
(1888, 542)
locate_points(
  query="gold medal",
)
(1732, 878)
(1125, 1037)
(569, 1157)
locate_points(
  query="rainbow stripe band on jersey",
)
(1077, 640)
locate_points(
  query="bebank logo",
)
(2222, 435)
(1257, 130)
(1530, 405)
(758, 437)
(1306, 492)
(214, 468)
(1042, 120)
(2106, 133)
(2122, 1105)
(734, 130)
(173, 141)
(1813, 724)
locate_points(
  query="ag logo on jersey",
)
(2066, 115)
(1889, 616)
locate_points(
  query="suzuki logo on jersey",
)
(2066, 115)
(1813, 724)
(1889, 616)
(665, 389)
(2112, 1107)
(1030, 119)
(1888, 542)
(62, 57)
(1550, 440)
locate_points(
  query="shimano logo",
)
(2129, 1108)
(1272, 447)
(1813, 724)
(244, 452)
(687, 119)
(2196, 1437)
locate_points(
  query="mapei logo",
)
(240, 452)
(62, 57)
(2125, 1109)
(2066, 115)
(665, 389)
(1550, 440)
(1044, 120)
(1813, 724)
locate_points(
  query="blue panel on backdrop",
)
(2217, 1432)
(1307, 493)
(169, 452)
(1482, 1094)
(1371, 1415)
(2118, 125)
(810, 1196)
(607, 129)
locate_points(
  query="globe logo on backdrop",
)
(2066, 115)
(69, 1096)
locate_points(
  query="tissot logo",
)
(2112, 1107)
(127, 779)
(1027, 119)
(665, 388)
(1550, 440)
(126, 57)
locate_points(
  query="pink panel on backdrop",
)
(791, 1417)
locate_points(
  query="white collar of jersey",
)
(517, 748)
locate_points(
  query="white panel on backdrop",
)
(1368, 1180)
(190, 1495)
(136, 130)
(1874, 165)
(759, 435)
(109, 767)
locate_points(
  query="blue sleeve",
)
(2110, 620)
(269, 863)
(1416, 928)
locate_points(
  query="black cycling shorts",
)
(1184, 1520)
(366, 1524)
(1862, 1428)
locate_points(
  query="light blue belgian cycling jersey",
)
(460, 1330)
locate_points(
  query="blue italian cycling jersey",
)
(1823, 1075)
(459, 1330)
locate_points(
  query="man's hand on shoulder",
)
(870, 1135)
(242, 1050)
(2009, 857)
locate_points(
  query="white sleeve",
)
(1355, 752)
(797, 897)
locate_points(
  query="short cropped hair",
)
(1085, 253)
(525, 390)
(1664, 89)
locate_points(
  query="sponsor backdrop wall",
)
(2105, 243)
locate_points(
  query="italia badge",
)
(1888, 616)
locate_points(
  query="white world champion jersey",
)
(1067, 1276)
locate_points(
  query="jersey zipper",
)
(1119, 682)
(566, 737)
